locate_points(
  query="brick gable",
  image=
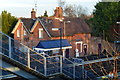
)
(31, 38)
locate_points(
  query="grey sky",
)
(22, 8)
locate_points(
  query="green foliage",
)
(8, 22)
(45, 14)
(0, 23)
(105, 16)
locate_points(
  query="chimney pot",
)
(33, 13)
(58, 12)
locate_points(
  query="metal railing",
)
(50, 65)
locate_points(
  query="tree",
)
(75, 11)
(72, 10)
(0, 23)
(8, 22)
(105, 15)
(45, 14)
(69, 11)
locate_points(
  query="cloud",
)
(15, 5)
(82, 0)
(24, 5)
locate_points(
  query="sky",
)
(22, 8)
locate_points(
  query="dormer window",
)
(40, 32)
(18, 33)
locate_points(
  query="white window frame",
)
(25, 33)
(18, 33)
(80, 42)
(40, 32)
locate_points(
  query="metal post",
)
(83, 75)
(74, 71)
(28, 58)
(45, 69)
(1, 43)
(10, 47)
(60, 64)
(60, 41)
(65, 27)
(64, 30)
(63, 54)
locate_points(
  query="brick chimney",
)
(33, 13)
(58, 12)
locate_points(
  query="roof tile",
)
(28, 22)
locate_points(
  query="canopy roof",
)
(53, 45)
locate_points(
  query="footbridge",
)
(22, 61)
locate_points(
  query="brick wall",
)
(34, 37)
(31, 39)
(15, 33)
(93, 44)
(73, 39)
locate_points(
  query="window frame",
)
(25, 33)
(18, 33)
(40, 33)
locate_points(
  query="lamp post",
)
(65, 26)
(60, 41)
(60, 29)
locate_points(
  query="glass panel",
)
(36, 61)
(53, 65)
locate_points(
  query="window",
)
(85, 49)
(40, 33)
(79, 46)
(55, 51)
(25, 33)
(99, 48)
(18, 33)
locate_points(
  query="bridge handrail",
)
(43, 57)
(21, 44)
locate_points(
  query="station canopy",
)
(47, 45)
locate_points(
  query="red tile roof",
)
(28, 22)
(76, 25)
